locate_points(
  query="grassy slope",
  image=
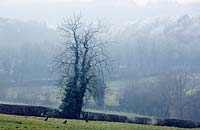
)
(33, 123)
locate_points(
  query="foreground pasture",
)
(8, 122)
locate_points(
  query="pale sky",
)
(113, 11)
(143, 2)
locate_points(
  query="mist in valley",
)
(153, 49)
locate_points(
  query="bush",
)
(103, 117)
(146, 121)
(177, 123)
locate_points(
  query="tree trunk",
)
(72, 105)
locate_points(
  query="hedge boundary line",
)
(38, 111)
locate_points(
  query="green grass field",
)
(8, 122)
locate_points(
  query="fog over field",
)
(111, 11)
(153, 50)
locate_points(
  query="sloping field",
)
(8, 122)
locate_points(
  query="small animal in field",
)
(46, 119)
(85, 116)
(65, 122)
(19, 122)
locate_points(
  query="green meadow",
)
(8, 122)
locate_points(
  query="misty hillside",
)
(154, 46)
(146, 48)
(150, 58)
(27, 49)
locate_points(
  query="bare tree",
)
(179, 82)
(81, 63)
(164, 92)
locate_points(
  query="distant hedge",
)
(103, 117)
(25, 110)
(177, 123)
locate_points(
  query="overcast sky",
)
(11, 2)
(113, 11)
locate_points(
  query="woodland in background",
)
(158, 61)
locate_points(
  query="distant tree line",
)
(159, 58)
(150, 48)
(26, 50)
(171, 95)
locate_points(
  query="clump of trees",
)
(169, 95)
(170, 42)
(26, 50)
(81, 63)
